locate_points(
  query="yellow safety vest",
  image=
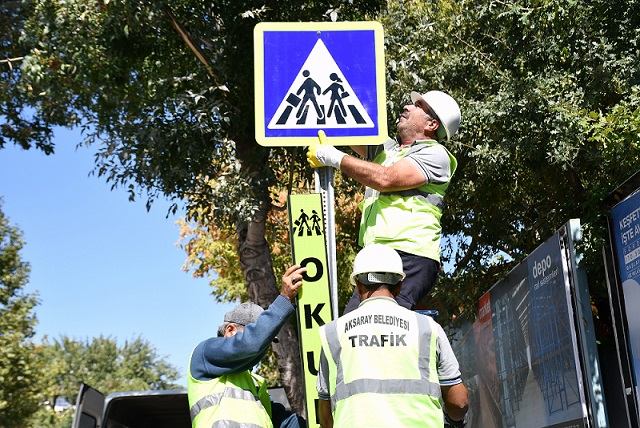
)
(232, 401)
(382, 367)
(407, 220)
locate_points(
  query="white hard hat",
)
(377, 264)
(445, 107)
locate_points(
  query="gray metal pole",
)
(324, 185)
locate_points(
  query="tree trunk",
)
(257, 266)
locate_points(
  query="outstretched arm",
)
(218, 356)
(402, 175)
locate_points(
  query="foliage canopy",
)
(104, 365)
(20, 372)
(549, 92)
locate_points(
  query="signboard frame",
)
(308, 247)
(621, 264)
(280, 51)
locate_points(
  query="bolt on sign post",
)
(306, 223)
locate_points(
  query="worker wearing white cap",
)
(383, 365)
(406, 181)
(222, 389)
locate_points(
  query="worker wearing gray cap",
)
(222, 390)
(383, 365)
(406, 180)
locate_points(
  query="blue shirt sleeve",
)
(219, 356)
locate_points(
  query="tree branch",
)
(576, 183)
(467, 257)
(10, 60)
(189, 41)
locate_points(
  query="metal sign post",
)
(324, 186)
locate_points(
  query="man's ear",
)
(431, 127)
(230, 330)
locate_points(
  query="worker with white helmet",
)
(406, 182)
(383, 365)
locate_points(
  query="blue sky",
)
(102, 265)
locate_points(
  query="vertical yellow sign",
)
(306, 228)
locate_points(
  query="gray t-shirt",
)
(432, 159)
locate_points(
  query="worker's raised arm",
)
(404, 174)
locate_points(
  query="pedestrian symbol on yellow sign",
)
(302, 224)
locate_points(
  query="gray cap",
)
(243, 314)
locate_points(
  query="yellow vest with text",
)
(234, 401)
(382, 367)
(407, 220)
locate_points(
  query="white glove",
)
(324, 154)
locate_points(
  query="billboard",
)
(626, 236)
(536, 363)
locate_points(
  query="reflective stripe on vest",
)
(414, 383)
(232, 401)
(233, 424)
(214, 399)
(430, 198)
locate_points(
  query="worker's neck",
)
(407, 140)
(384, 292)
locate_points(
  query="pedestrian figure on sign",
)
(310, 88)
(303, 223)
(337, 94)
(315, 221)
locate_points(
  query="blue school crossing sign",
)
(319, 76)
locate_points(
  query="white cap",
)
(377, 264)
(446, 110)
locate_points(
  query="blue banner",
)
(626, 227)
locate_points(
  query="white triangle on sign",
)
(320, 96)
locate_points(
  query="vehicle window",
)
(115, 424)
(87, 421)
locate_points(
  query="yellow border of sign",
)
(314, 298)
(258, 36)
